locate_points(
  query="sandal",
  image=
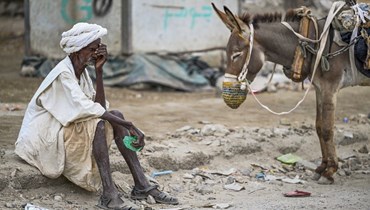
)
(104, 202)
(162, 197)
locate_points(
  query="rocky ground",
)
(210, 163)
(211, 156)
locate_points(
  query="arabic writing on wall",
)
(191, 13)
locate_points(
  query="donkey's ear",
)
(224, 18)
(239, 24)
(232, 18)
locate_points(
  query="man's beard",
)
(91, 62)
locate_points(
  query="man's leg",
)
(132, 160)
(100, 152)
(129, 156)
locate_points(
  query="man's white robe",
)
(61, 100)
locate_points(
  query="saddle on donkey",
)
(351, 22)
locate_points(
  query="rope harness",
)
(243, 74)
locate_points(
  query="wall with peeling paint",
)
(177, 26)
(48, 20)
(151, 25)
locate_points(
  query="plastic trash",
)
(127, 141)
(345, 120)
(297, 193)
(160, 173)
(260, 176)
(295, 180)
(288, 158)
(29, 206)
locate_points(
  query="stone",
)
(10, 205)
(246, 172)
(188, 176)
(364, 150)
(349, 138)
(204, 189)
(214, 129)
(197, 180)
(185, 128)
(306, 164)
(150, 200)
(58, 198)
(234, 187)
(230, 180)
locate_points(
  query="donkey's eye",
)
(235, 55)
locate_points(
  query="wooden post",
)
(27, 28)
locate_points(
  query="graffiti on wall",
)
(84, 10)
(191, 13)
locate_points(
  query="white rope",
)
(333, 11)
(243, 74)
(279, 113)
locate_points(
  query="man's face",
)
(87, 54)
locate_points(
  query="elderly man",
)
(68, 130)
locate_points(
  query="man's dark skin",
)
(96, 53)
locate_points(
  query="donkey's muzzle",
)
(233, 95)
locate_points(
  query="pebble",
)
(197, 179)
(204, 189)
(150, 200)
(58, 198)
(364, 150)
(188, 176)
(10, 205)
(341, 173)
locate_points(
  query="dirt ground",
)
(175, 124)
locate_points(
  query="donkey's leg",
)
(319, 170)
(329, 100)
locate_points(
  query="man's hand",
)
(112, 119)
(101, 57)
(140, 137)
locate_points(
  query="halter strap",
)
(243, 74)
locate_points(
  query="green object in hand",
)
(127, 141)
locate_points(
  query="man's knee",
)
(117, 113)
(100, 127)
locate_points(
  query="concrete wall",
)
(48, 20)
(178, 25)
(150, 25)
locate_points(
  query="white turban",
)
(81, 35)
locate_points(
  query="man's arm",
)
(112, 119)
(101, 54)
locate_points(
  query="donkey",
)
(272, 41)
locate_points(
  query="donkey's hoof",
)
(325, 181)
(316, 176)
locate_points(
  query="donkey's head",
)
(242, 65)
